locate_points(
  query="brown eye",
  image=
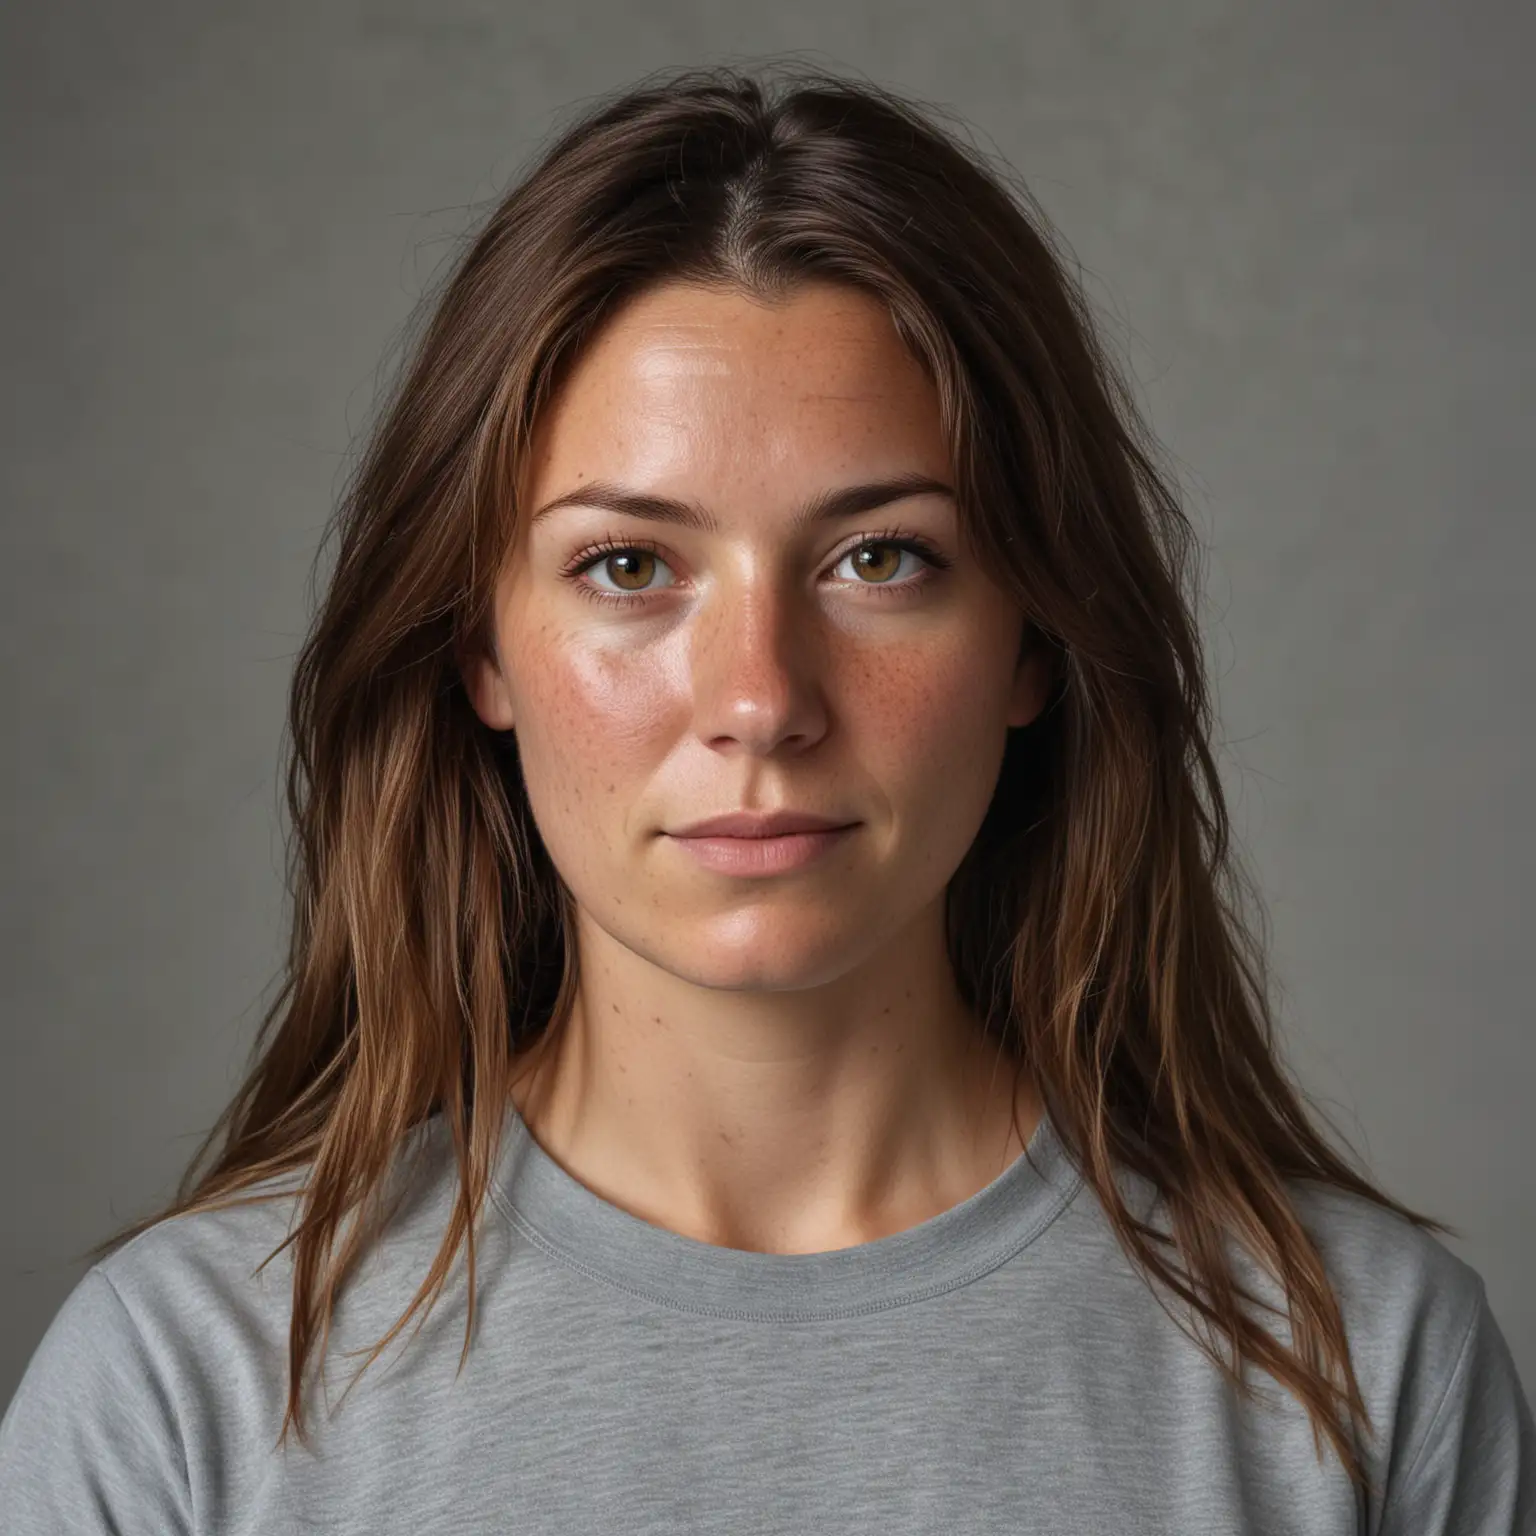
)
(631, 569)
(881, 561)
(611, 572)
(876, 562)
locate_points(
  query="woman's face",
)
(721, 645)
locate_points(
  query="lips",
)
(755, 824)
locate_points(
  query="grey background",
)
(1309, 227)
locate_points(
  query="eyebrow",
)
(846, 501)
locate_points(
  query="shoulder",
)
(162, 1379)
(1453, 1429)
(202, 1273)
(90, 1440)
(162, 1349)
(171, 1336)
(1400, 1284)
(228, 1269)
(1408, 1302)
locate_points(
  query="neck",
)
(776, 1121)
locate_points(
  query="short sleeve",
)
(90, 1441)
(1473, 1470)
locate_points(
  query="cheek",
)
(589, 717)
(928, 709)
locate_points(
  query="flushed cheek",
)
(931, 726)
(593, 718)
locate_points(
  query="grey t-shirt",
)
(998, 1368)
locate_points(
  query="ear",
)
(1031, 680)
(486, 685)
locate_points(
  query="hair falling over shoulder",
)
(1096, 923)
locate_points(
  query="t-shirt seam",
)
(1397, 1493)
(157, 1384)
(162, 1222)
(1063, 1198)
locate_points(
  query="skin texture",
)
(779, 1063)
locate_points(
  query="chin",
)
(752, 952)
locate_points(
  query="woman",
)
(766, 994)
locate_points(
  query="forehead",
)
(725, 393)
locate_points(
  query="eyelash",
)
(584, 559)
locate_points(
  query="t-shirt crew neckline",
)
(592, 1235)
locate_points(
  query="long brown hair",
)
(1097, 924)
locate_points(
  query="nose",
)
(758, 662)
